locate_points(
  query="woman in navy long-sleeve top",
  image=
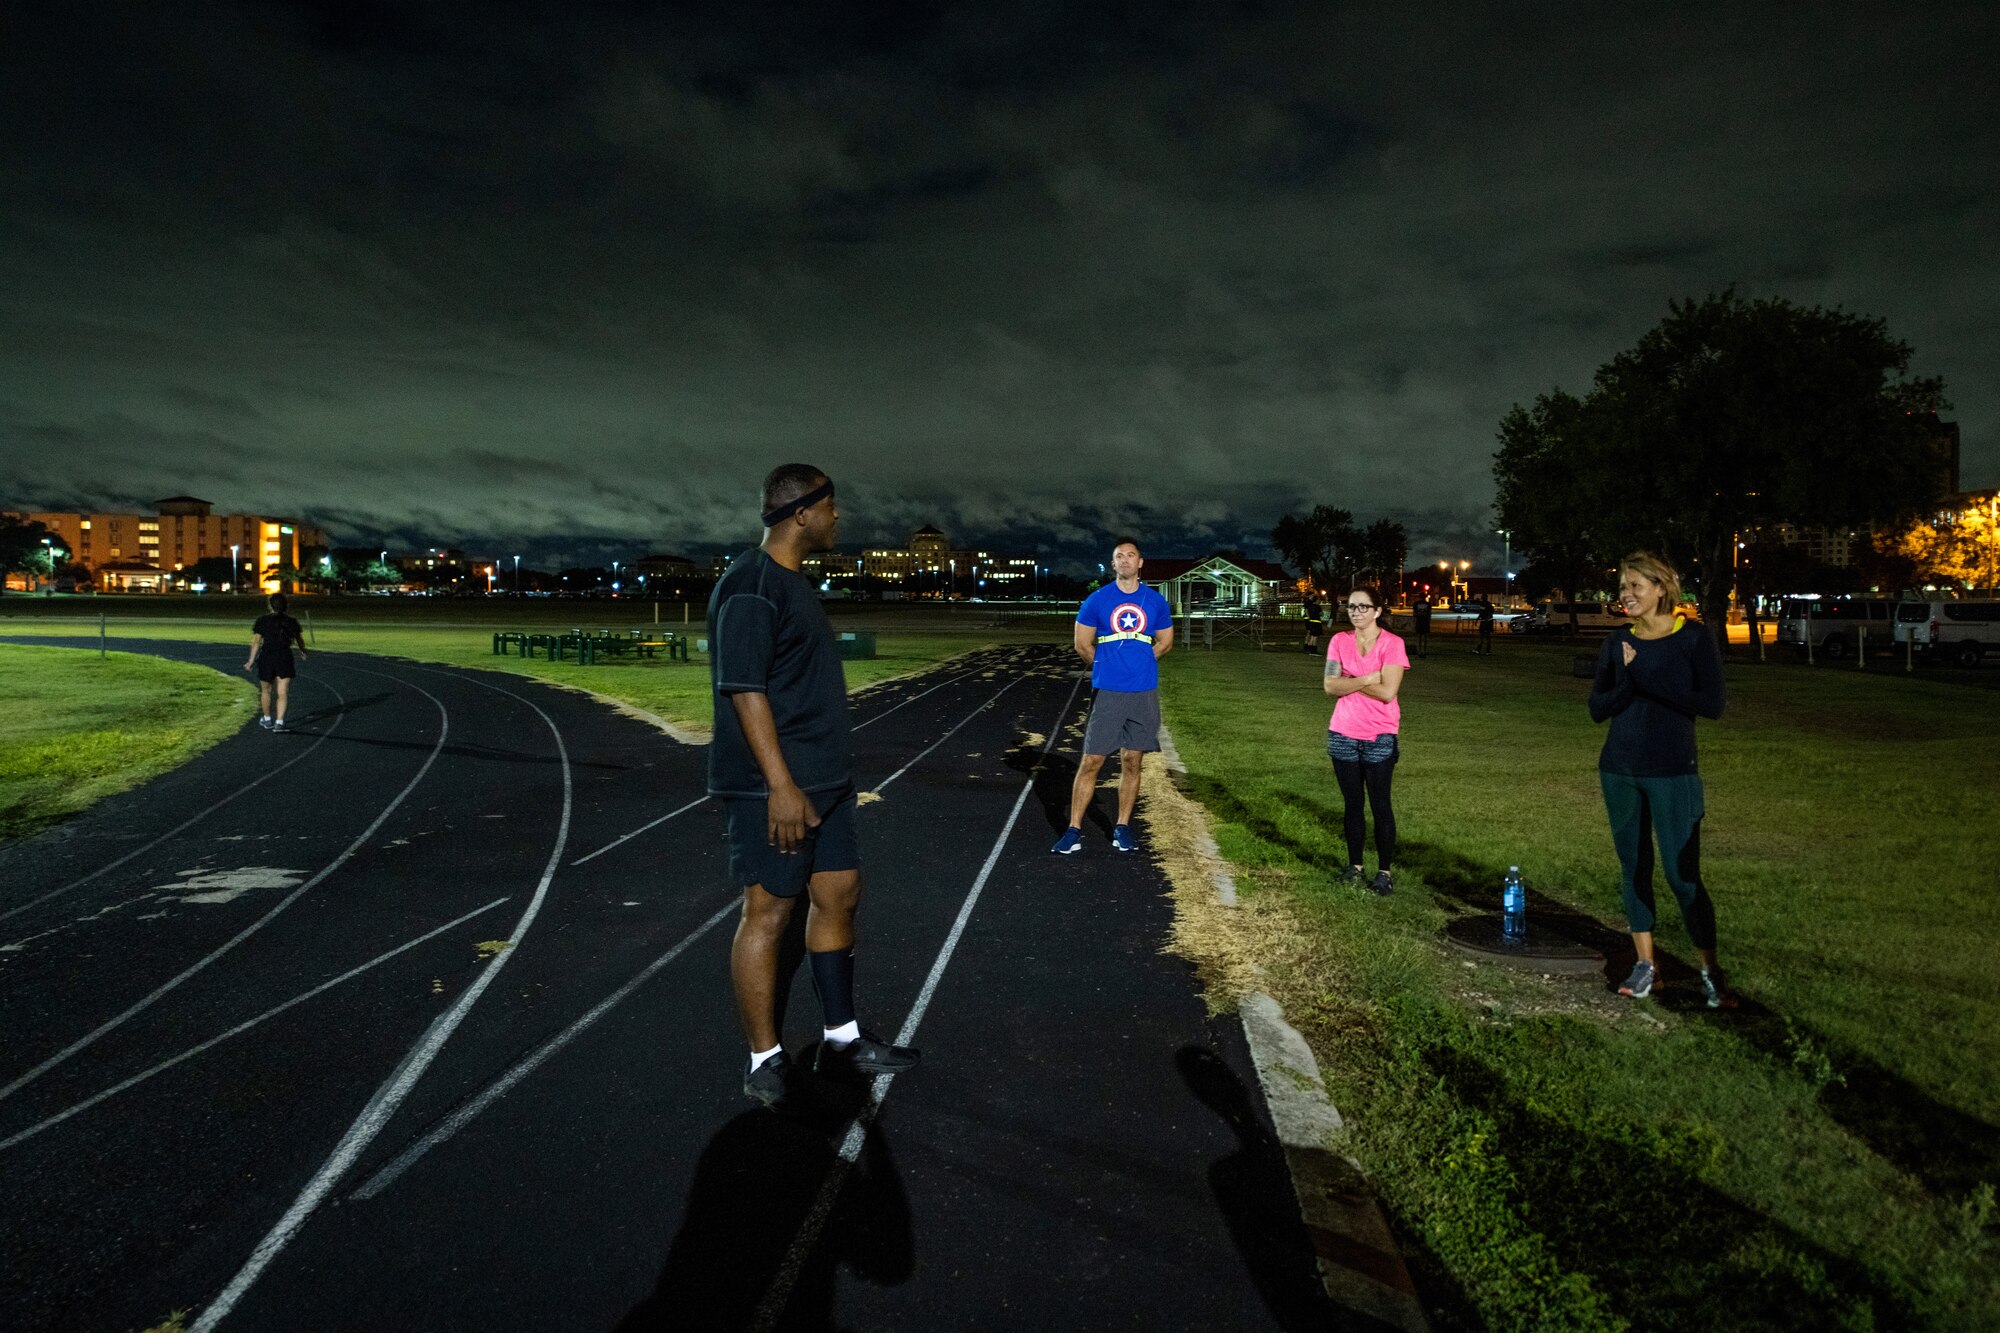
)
(1655, 676)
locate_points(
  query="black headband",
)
(790, 507)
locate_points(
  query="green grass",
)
(1825, 1156)
(459, 633)
(77, 729)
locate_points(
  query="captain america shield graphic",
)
(1128, 618)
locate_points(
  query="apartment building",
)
(140, 552)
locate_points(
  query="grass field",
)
(77, 728)
(1560, 1158)
(459, 632)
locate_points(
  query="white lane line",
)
(459, 1119)
(913, 698)
(882, 785)
(773, 1305)
(194, 819)
(240, 1028)
(620, 841)
(500, 1087)
(390, 1096)
(444, 729)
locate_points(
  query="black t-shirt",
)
(279, 632)
(769, 635)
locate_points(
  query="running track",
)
(255, 1065)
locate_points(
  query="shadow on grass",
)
(1947, 1150)
(1673, 1252)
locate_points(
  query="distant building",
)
(119, 549)
(664, 567)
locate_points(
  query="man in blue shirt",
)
(1122, 630)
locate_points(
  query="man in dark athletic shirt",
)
(781, 763)
(271, 642)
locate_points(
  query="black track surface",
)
(1082, 1147)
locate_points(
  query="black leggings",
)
(1356, 778)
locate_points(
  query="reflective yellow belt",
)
(1131, 634)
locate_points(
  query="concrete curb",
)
(1359, 1264)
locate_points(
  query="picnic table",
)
(587, 646)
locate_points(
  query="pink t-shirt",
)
(1356, 715)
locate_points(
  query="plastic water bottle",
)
(1513, 906)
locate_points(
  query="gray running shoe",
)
(264, 722)
(1640, 984)
(1715, 989)
(278, 724)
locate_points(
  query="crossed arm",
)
(1085, 639)
(1381, 684)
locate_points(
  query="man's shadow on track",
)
(755, 1189)
(1253, 1189)
(1055, 774)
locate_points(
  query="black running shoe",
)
(1381, 886)
(770, 1082)
(866, 1054)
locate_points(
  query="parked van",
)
(1956, 632)
(1589, 615)
(1834, 625)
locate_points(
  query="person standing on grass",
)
(1313, 619)
(781, 762)
(1655, 675)
(1420, 621)
(1364, 674)
(1122, 630)
(1485, 628)
(271, 642)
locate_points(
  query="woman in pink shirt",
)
(1364, 671)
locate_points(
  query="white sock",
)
(840, 1036)
(760, 1058)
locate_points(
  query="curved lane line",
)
(499, 1088)
(773, 1305)
(242, 1027)
(137, 851)
(390, 1096)
(460, 1118)
(444, 729)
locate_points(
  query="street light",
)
(235, 576)
(517, 576)
(1507, 559)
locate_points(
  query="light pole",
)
(49, 559)
(1507, 558)
(517, 576)
(1465, 580)
(235, 570)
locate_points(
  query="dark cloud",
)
(515, 274)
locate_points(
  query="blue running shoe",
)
(1070, 841)
(1122, 839)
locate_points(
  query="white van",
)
(1590, 616)
(1835, 625)
(1956, 632)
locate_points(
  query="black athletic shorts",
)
(834, 845)
(275, 666)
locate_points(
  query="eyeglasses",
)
(1360, 606)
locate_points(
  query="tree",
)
(1550, 475)
(1385, 546)
(1733, 414)
(1324, 545)
(1961, 548)
(21, 546)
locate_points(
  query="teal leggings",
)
(1671, 809)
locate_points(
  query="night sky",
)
(568, 278)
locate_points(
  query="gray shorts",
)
(1123, 720)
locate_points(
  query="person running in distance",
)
(1122, 630)
(1655, 676)
(781, 762)
(1364, 673)
(271, 643)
